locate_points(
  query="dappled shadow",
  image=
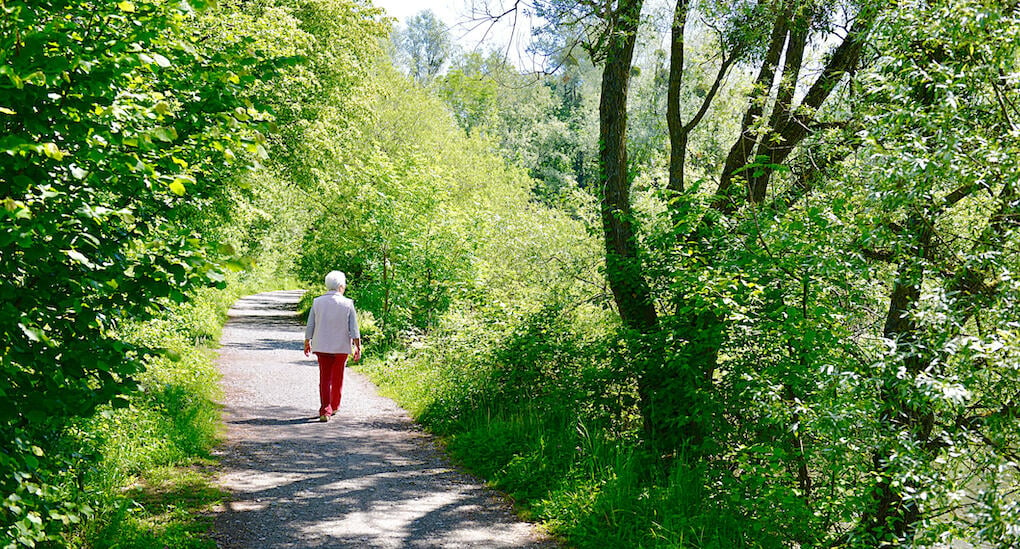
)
(269, 344)
(257, 323)
(275, 421)
(268, 303)
(265, 317)
(361, 489)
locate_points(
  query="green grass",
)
(591, 489)
(542, 416)
(169, 508)
(584, 485)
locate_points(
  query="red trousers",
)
(331, 381)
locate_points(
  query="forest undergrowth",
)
(543, 410)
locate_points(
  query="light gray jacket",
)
(332, 324)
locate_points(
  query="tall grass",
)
(544, 413)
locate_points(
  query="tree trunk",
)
(743, 148)
(677, 135)
(679, 132)
(624, 270)
(386, 286)
(890, 516)
(787, 128)
(623, 265)
(704, 329)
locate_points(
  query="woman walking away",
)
(332, 333)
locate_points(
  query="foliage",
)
(114, 124)
(829, 358)
(940, 149)
(139, 467)
(538, 121)
(170, 509)
(835, 322)
(418, 211)
(833, 310)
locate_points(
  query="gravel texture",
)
(369, 478)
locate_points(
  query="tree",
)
(680, 131)
(526, 114)
(764, 143)
(424, 46)
(946, 221)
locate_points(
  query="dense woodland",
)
(723, 273)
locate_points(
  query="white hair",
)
(335, 279)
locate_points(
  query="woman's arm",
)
(310, 330)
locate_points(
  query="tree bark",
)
(781, 109)
(623, 264)
(890, 516)
(624, 270)
(744, 146)
(677, 135)
(788, 124)
(679, 132)
(787, 128)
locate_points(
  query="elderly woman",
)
(332, 333)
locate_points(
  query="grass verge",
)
(543, 415)
(171, 507)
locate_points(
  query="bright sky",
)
(447, 10)
(457, 14)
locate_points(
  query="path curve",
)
(369, 478)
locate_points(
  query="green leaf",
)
(165, 134)
(37, 78)
(79, 258)
(33, 334)
(161, 60)
(51, 150)
(127, 7)
(16, 209)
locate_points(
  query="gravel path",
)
(369, 478)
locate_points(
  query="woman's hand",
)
(308, 346)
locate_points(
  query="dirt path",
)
(368, 478)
